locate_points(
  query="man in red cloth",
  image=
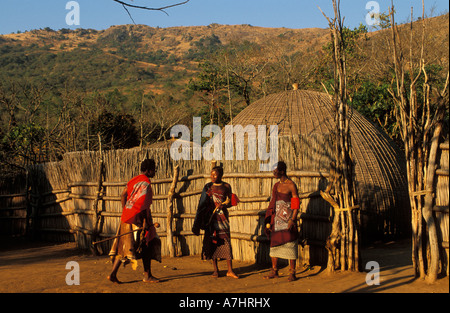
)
(145, 244)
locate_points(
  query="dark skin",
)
(216, 179)
(286, 186)
(148, 278)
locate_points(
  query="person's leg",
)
(113, 276)
(147, 263)
(292, 264)
(230, 272)
(274, 270)
(215, 268)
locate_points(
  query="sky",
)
(23, 15)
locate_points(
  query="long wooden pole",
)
(98, 216)
(427, 212)
(121, 235)
(170, 243)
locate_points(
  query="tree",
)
(420, 111)
(244, 64)
(373, 100)
(117, 131)
(24, 140)
(211, 82)
(158, 117)
(345, 229)
(23, 146)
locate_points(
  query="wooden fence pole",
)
(98, 217)
(28, 203)
(170, 244)
(433, 267)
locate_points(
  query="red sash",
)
(139, 198)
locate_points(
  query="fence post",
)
(98, 217)
(28, 203)
(170, 244)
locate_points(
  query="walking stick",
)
(226, 202)
(157, 225)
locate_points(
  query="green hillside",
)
(60, 90)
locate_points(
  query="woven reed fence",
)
(441, 208)
(62, 202)
(64, 209)
(13, 206)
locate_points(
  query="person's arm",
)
(148, 213)
(268, 218)
(295, 205)
(229, 194)
(123, 197)
(272, 197)
(200, 216)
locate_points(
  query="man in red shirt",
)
(145, 244)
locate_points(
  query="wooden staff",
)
(226, 202)
(130, 232)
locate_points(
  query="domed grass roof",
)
(379, 164)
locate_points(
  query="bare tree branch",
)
(162, 9)
(129, 14)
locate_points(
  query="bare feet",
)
(215, 275)
(151, 279)
(273, 274)
(292, 276)
(232, 275)
(114, 279)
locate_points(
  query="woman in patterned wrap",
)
(212, 217)
(281, 221)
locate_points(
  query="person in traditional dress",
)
(142, 244)
(212, 217)
(281, 222)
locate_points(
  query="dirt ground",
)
(41, 268)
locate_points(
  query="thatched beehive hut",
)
(305, 122)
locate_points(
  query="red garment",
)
(134, 213)
(295, 203)
(139, 199)
(278, 214)
(234, 200)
